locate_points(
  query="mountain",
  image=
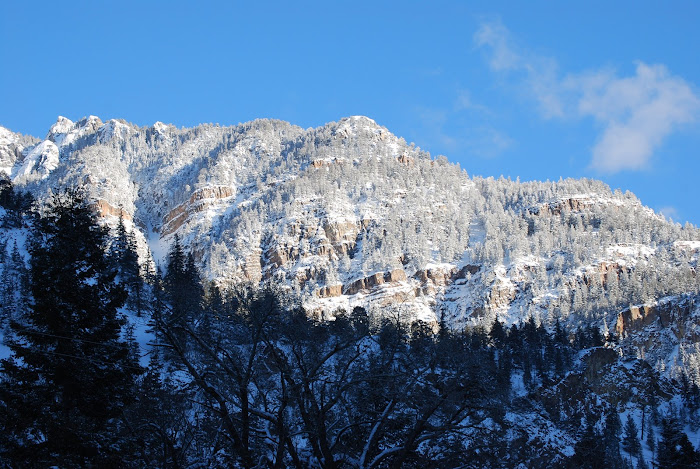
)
(349, 214)
(511, 324)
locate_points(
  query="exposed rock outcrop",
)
(374, 280)
(342, 235)
(330, 291)
(501, 295)
(433, 278)
(199, 201)
(105, 209)
(602, 374)
(637, 318)
(571, 204)
(405, 159)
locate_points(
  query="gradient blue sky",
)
(539, 89)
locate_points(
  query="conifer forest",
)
(244, 377)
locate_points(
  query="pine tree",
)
(183, 287)
(630, 438)
(16, 203)
(651, 440)
(497, 334)
(6, 191)
(14, 286)
(674, 447)
(560, 336)
(611, 437)
(124, 253)
(588, 452)
(70, 375)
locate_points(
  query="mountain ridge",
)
(348, 214)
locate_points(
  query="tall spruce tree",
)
(13, 286)
(70, 375)
(124, 253)
(630, 438)
(183, 286)
(589, 453)
(17, 203)
(611, 440)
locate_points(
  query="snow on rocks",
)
(38, 163)
(348, 214)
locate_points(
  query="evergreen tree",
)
(13, 286)
(124, 253)
(182, 285)
(630, 438)
(497, 334)
(651, 440)
(674, 447)
(70, 375)
(16, 203)
(588, 452)
(560, 336)
(611, 437)
(6, 191)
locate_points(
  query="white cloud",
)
(497, 37)
(539, 74)
(434, 121)
(464, 101)
(636, 113)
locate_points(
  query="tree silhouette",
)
(70, 375)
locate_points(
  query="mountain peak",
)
(161, 127)
(359, 119)
(357, 122)
(62, 126)
(89, 121)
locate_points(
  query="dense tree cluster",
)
(70, 375)
(15, 203)
(244, 377)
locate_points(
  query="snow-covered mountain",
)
(349, 214)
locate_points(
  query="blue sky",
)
(536, 90)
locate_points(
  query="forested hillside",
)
(268, 296)
(245, 377)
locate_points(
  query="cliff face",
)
(350, 215)
(665, 333)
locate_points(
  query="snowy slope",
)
(348, 214)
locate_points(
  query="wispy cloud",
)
(636, 112)
(503, 54)
(434, 122)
